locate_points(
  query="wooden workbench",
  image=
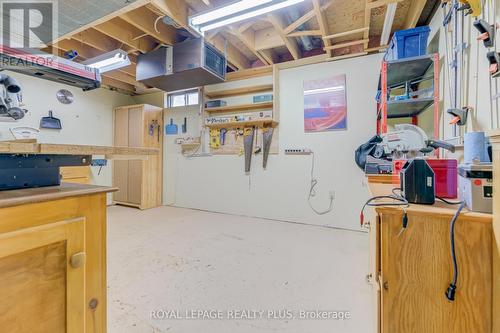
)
(412, 270)
(53, 259)
(33, 147)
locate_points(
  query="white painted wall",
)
(218, 183)
(87, 121)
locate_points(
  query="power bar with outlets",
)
(296, 151)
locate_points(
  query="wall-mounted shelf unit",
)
(245, 109)
(405, 72)
(241, 107)
(239, 91)
(241, 124)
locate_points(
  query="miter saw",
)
(10, 98)
(405, 142)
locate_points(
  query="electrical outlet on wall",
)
(298, 151)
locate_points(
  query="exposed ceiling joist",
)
(131, 6)
(151, 24)
(323, 27)
(177, 10)
(301, 33)
(416, 8)
(346, 44)
(303, 19)
(125, 33)
(247, 37)
(290, 43)
(346, 33)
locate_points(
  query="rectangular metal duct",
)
(49, 67)
(192, 63)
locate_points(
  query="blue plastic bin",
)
(408, 43)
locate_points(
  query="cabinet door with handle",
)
(42, 278)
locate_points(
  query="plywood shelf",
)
(233, 124)
(241, 107)
(239, 91)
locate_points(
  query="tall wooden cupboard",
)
(139, 181)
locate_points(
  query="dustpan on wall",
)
(50, 122)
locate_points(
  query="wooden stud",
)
(290, 43)
(346, 33)
(303, 19)
(247, 37)
(320, 16)
(301, 33)
(346, 44)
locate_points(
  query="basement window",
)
(183, 98)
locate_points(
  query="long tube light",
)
(109, 61)
(390, 13)
(226, 11)
(259, 6)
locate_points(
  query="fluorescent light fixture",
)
(245, 9)
(109, 61)
(231, 9)
(323, 90)
(390, 13)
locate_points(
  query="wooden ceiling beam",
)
(177, 10)
(248, 39)
(235, 56)
(117, 85)
(346, 44)
(301, 20)
(102, 42)
(346, 33)
(323, 26)
(148, 22)
(300, 33)
(131, 6)
(416, 8)
(125, 33)
(290, 43)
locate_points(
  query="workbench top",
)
(41, 194)
(438, 209)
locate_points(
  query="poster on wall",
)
(325, 104)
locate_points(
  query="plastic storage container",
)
(408, 43)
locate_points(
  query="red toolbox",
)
(445, 171)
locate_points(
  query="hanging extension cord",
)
(312, 191)
(450, 292)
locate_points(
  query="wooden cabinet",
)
(139, 181)
(495, 141)
(53, 259)
(413, 269)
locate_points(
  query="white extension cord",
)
(312, 191)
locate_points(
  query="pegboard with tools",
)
(230, 141)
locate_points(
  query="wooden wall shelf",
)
(239, 91)
(234, 124)
(241, 107)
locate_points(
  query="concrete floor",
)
(179, 259)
